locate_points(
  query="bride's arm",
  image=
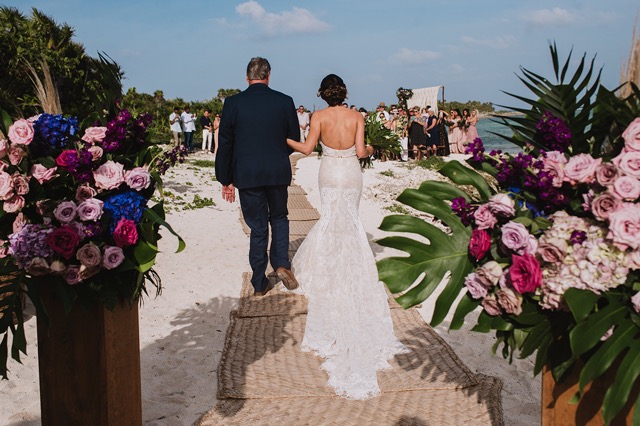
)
(310, 143)
(361, 150)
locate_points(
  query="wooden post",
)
(556, 410)
(89, 362)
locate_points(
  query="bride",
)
(348, 320)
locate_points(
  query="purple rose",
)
(516, 237)
(138, 178)
(476, 287)
(72, 275)
(66, 211)
(90, 209)
(89, 255)
(502, 205)
(484, 218)
(112, 257)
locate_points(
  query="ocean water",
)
(491, 141)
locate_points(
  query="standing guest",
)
(417, 135)
(353, 107)
(363, 112)
(443, 143)
(303, 120)
(381, 108)
(253, 156)
(464, 126)
(456, 142)
(472, 130)
(207, 130)
(433, 133)
(399, 128)
(189, 123)
(176, 126)
(216, 128)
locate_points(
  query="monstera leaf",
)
(416, 277)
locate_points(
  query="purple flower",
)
(578, 237)
(463, 210)
(476, 149)
(553, 132)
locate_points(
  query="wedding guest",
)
(464, 126)
(303, 120)
(443, 143)
(207, 130)
(216, 127)
(433, 133)
(381, 108)
(353, 107)
(346, 105)
(417, 135)
(364, 112)
(176, 126)
(472, 130)
(399, 128)
(188, 121)
(456, 138)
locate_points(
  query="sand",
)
(182, 331)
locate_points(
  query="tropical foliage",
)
(546, 244)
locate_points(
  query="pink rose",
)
(624, 226)
(604, 204)
(490, 304)
(525, 273)
(138, 178)
(3, 147)
(42, 174)
(489, 273)
(510, 301)
(94, 134)
(112, 257)
(6, 186)
(110, 175)
(635, 301)
(475, 286)
(484, 218)
(20, 184)
(606, 173)
(479, 244)
(13, 204)
(125, 233)
(89, 255)
(96, 153)
(66, 211)
(90, 209)
(553, 250)
(19, 223)
(581, 168)
(72, 275)
(553, 162)
(516, 237)
(16, 154)
(84, 192)
(631, 135)
(502, 205)
(21, 132)
(64, 240)
(633, 259)
(38, 267)
(629, 163)
(627, 187)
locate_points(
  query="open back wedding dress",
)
(348, 320)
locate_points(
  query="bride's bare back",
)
(338, 128)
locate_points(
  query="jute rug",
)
(265, 379)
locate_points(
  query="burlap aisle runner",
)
(265, 379)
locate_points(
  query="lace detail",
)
(348, 320)
(338, 153)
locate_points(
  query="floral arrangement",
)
(403, 96)
(75, 210)
(546, 243)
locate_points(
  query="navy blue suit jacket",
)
(252, 146)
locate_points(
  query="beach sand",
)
(182, 331)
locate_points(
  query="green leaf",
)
(467, 304)
(581, 302)
(616, 396)
(587, 334)
(536, 337)
(442, 190)
(462, 175)
(5, 121)
(151, 215)
(484, 323)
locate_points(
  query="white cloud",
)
(294, 21)
(550, 17)
(495, 43)
(407, 56)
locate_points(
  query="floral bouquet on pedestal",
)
(545, 244)
(75, 211)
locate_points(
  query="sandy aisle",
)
(182, 331)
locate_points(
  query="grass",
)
(432, 163)
(203, 163)
(199, 203)
(397, 208)
(388, 173)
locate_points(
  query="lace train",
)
(348, 320)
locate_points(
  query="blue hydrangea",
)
(129, 205)
(55, 130)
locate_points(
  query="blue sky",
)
(191, 49)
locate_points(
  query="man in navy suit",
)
(253, 156)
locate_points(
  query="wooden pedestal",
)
(89, 364)
(556, 410)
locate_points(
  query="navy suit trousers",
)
(261, 207)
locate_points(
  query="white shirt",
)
(189, 122)
(176, 126)
(303, 119)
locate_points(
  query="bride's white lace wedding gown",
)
(348, 320)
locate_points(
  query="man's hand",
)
(229, 193)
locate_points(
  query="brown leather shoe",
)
(287, 278)
(266, 290)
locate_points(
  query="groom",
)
(253, 156)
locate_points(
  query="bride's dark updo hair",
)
(332, 90)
